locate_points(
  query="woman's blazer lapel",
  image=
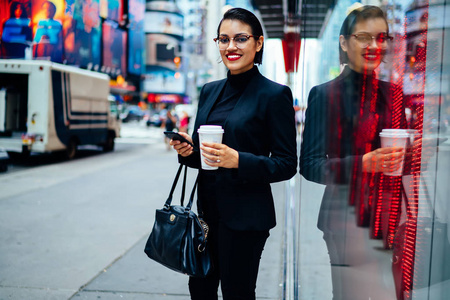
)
(247, 102)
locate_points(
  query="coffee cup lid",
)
(394, 130)
(210, 129)
(398, 134)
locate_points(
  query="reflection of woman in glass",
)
(341, 145)
(17, 33)
(48, 36)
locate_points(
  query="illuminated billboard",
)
(15, 28)
(112, 10)
(164, 22)
(47, 23)
(82, 33)
(165, 81)
(136, 46)
(114, 49)
(32, 28)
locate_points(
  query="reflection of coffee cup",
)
(211, 134)
(394, 138)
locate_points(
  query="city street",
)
(76, 229)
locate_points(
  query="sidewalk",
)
(134, 276)
(59, 241)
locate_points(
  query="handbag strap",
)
(175, 181)
(184, 186)
(191, 199)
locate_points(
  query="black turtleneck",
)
(225, 103)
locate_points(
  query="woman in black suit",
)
(341, 145)
(258, 148)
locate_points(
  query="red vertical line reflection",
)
(394, 209)
(411, 238)
(363, 96)
(368, 119)
(398, 67)
(397, 112)
(418, 256)
(375, 195)
(371, 190)
(376, 225)
(397, 102)
(386, 201)
(374, 118)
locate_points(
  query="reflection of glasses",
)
(240, 41)
(365, 39)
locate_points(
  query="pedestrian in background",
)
(258, 148)
(184, 122)
(170, 124)
(341, 146)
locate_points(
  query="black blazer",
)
(261, 127)
(329, 151)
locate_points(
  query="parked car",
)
(131, 113)
(154, 120)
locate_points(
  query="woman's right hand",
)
(387, 159)
(183, 149)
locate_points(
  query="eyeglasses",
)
(240, 41)
(365, 39)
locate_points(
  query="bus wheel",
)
(71, 149)
(109, 144)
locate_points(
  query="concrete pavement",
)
(70, 231)
(134, 276)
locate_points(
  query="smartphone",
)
(178, 137)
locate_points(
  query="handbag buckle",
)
(201, 247)
(205, 229)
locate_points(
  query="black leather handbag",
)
(178, 238)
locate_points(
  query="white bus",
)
(47, 107)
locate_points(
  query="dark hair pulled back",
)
(250, 19)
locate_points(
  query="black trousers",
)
(236, 256)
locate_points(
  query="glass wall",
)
(375, 155)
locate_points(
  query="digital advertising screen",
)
(163, 80)
(47, 20)
(82, 33)
(164, 22)
(15, 28)
(112, 10)
(114, 49)
(136, 41)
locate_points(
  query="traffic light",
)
(177, 61)
(412, 61)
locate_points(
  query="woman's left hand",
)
(220, 155)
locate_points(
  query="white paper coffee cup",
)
(211, 134)
(394, 138)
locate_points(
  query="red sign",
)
(291, 51)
